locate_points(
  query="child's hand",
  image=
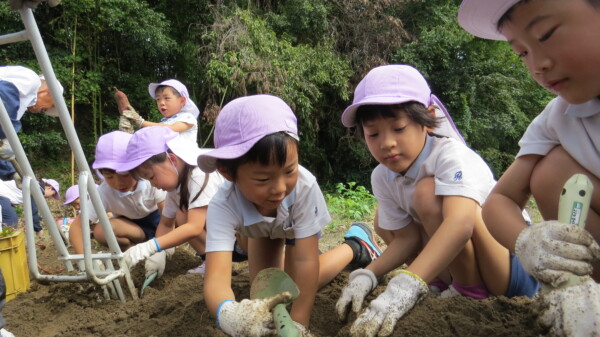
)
(133, 116)
(401, 294)
(156, 264)
(572, 311)
(304, 332)
(550, 251)
(251, 318)
(125, 125)
(360, 283)
(139, 252)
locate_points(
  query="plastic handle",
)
(573, 207)
(284, 323)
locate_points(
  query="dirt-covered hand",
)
(304, 332)
(139, 252)
(133, 116)
(156, 264)
(360, 283)
(401, 294)
(250, 318)
(125, 125)
(572, 311)
(550, 251)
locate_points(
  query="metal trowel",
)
(270, 282)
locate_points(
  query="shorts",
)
(520, 283)
(148, 224)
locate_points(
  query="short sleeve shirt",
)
(27, 82)
(576, 127)
(194, 186)
(134, 205)
(301, 214)
(457, 171)
(190, 134)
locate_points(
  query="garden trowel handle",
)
(284, 323)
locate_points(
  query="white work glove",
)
(304, 332)
(125, 125)
(401, 294)
(572, 311)
(156, 264)
(360, 283)
(139, 252)
(6, 151)
(250, 318)
(550, 251)
(18, 4)
(133, 116)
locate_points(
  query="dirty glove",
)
(156, 264)
(572, 311)
(133, 116)
(304, 332)
(249, 317)
(18, 4)
(360, 283)
(125, 125)
(6, 151)
(550, 251)
(139, 252)
(401, 294)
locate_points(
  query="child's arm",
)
(192, 228)
(177, 126)
(75, 237)
(405, 243)
(217, 280)
(303, 266)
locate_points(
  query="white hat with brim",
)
(480, 17)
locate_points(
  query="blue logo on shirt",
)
(458, 176)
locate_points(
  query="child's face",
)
(267, 185)
(559, 41)
(75, 204)
(168, 102)
(395, 142)
(44, 100)
(161, 175)
(120, 182)
(48, 191)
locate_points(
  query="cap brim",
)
(349, 115)
(186, 150)
(130, 165)
(152, 89)
(52, 112)
(480, 17)
(207, 161)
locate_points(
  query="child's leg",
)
(547, 180)
(463, 268)
(332, 262)
(264, 253)
(126, 232)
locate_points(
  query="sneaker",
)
(6, 333)
(201, 269)
(362, 241)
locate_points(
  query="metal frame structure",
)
(94, 267)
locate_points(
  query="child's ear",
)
(182, 100)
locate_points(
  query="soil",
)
(174, 306)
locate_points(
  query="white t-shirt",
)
(132, 205)
(457, 171)
(9, 189)
(301, 214)
(574, 126)
(27, 82)
(194, 185)
(190, 134)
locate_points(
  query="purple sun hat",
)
(145, 143)
(189, 105)
(243, 122)
(55, 186)
(480, 17)
(71, 194)
(397, 84)
(110, 150)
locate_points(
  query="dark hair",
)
(162, 88)
(184, 177)
(507, 17)
(416, 111)
(270, 150)
(107, 170)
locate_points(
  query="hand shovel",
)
(270, 282)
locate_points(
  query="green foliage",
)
(349, 202)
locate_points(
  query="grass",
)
(347, 203)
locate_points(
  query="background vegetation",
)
(311, 53)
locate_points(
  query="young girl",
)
(135, 205)
(430, 189)
(275, 203)
(174, 103)
(168, 161)
(72, 197)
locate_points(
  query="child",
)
(559, 42)
(429, 189)
(168, 161)
(51, 188)
(135, 205)
(72, 197)
(278, 206)
(174, 103)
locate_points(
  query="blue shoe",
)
(362, 241)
